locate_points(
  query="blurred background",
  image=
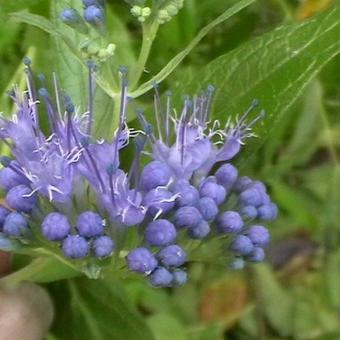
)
(296, 293)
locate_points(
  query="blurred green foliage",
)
(272, 51)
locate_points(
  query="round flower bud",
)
(188, 194)
(155, 174)
(208, 208)
(242, 184)
(132, 216)
(55, 226)
(172, 256)
(230, 222)
(15, 225)
(103, 246)
(251, 196)
(259, 235)
(226, 175)
(179, 277)
(242, 245)
(187, 217)
(249, 211)
(75, 246)
(237, 264)
(19, 198)
(161, 277)
(214, 191)
(160, 233)
(259, 186)
(159, 200)
(10, 179)
(90, 224)
(94, 14)
(3, 214)
(267, 212)
(69, 16)
(141, 260)
(88, 3)
(257, 255)
(200, 231)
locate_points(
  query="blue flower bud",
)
(159, 200)
(9, 179)
(242, 183)
(103, 246)
(213, 190)
(259, 235)
(230, 222)
(94, 14)
(267, 212)
(188, 194)
(207, 208)
(55, 226)
(179, 277)
(19, 198)
(257, 255)
(88, 3)
(172, 256)
(238, 264)
(200, 231)
(75, 246)
(155, 174)
(226, 175)
(160, 233)
(90, 224)
(242, 245)
(69, 16)
(161, 277)
(3, 214)
(251, 196)
(187, 217)
(141, 260)
(15, 225)
(249, 211)
(132, 216)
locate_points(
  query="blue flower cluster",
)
(93, 14)
(68, 187)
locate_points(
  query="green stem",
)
(149, 35)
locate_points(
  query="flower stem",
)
(149, 35)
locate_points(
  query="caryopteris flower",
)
(67, 192)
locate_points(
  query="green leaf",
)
(166, 327)
(173, 63)
(277, 303)
(42, 269)
(274, 68)
(34, 20)
(295, 202)
(96, 309)
(71, 73)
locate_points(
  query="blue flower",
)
(71, 188)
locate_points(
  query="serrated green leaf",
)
(274, 68)
(96, 310)
(173, 63)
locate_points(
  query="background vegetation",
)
(284, 53)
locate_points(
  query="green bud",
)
(136, 11)
(111, 49)
(146, 11)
